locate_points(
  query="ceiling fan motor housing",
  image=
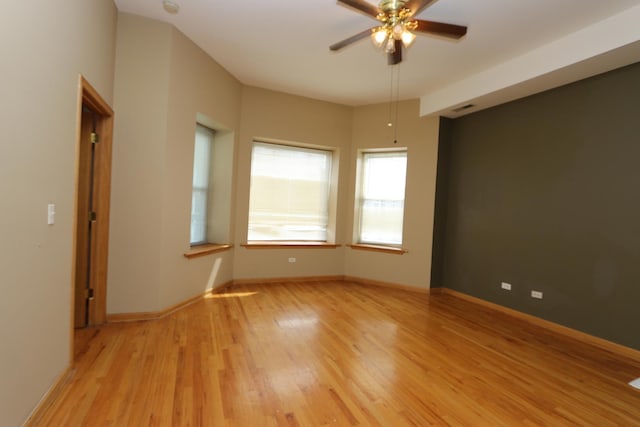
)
(388, 6)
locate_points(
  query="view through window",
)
(200, 193)
(381, 197)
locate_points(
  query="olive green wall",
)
(440, 210)
(543, 193)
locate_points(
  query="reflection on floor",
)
(336, 353)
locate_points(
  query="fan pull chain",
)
(390, 122)
(394, 99)
(395, 128)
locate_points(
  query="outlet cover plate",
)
(506, 286)
(536, 294)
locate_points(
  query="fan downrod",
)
(389, 6)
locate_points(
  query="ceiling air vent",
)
(463, 107)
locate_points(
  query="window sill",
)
(289, 245)
(209, 248)
(375, 248)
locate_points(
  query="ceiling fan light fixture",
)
(378, 37)
(390, 46)
(397, 27)
(407, 38)
(397, 31)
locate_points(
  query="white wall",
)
(44, 46)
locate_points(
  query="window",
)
(212, 185)
(380, 204)
(290, 192)
(201, 180)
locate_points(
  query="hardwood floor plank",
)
(336, 353)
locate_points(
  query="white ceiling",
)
(512, 48)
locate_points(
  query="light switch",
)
(51, 214)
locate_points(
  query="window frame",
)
(359, 200)
(220, 194)
(332, 180)
(210, 135)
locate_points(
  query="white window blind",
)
(200, 194)
(381, 199)
(289, 196)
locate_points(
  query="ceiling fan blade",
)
(395, 57)
(363, 6)
(352, 39)
(417, 6)
(441, 29)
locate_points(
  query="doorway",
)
(92, 203)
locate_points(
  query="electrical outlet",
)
(292, 259)
(536, 294)
(506, 286)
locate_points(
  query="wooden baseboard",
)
(601, 343)
(288, 280)
(358, 280)
(377, 283)
(50, 397)
(154, 315)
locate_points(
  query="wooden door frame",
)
(88, 96)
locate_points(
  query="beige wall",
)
(163, 81)
(143, 54)
(44, 46)
(273, 115)
(277, 116)
(420, 136)
(198, 85)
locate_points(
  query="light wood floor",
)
(339, 354)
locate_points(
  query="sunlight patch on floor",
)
(230, 295)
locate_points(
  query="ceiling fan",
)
(396, 26)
